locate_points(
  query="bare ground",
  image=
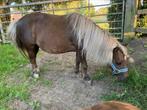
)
(68, 91)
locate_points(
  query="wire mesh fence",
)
(99, 13)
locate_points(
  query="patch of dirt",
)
(139, 52)
(68, 91)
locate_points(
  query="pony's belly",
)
(58, 49)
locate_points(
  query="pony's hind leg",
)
(32, 52)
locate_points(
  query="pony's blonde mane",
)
(97, 43)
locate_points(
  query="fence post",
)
(2, 34)
(123, 19)
(130, 17)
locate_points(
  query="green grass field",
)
(10, 61)
(12, 66)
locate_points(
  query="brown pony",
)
(68, 33)
(113, 105)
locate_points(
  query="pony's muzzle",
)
(122, 77)
(120, 73)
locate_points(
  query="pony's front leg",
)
(78, 61)
(84, 67)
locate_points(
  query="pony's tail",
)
(15, 35)
(11, 31)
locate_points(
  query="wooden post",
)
(130, 17)
(135, 17)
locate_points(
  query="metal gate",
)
(109, 15)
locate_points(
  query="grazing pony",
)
(68, 33)
(113, 105)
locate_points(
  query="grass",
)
(10, 60)
(101, 74)
(15, 83)
(35, 105)
(134, 90)
(46, 82)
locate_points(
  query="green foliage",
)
(101, 19)
(86, 11)
(8, 92)
(46, 82)
(115, 9)
(10, 60)
(142, 22)
(70, 8)
(134, 90)
(100, 74)
(14, 81)
(144, 5)
(35, 105)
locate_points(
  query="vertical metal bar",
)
(53, 7)
(88, 8)
(123, 20)
(66, 8)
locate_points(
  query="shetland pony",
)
(113, 105)
(68, 33)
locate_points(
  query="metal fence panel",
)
(9, 13)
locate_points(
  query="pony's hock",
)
(67, 33)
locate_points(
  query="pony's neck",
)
(97, 43)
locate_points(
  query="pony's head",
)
(120, 62)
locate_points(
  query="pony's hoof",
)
(91, 82)
(87, 78)
(76, 71)
(35, 75)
